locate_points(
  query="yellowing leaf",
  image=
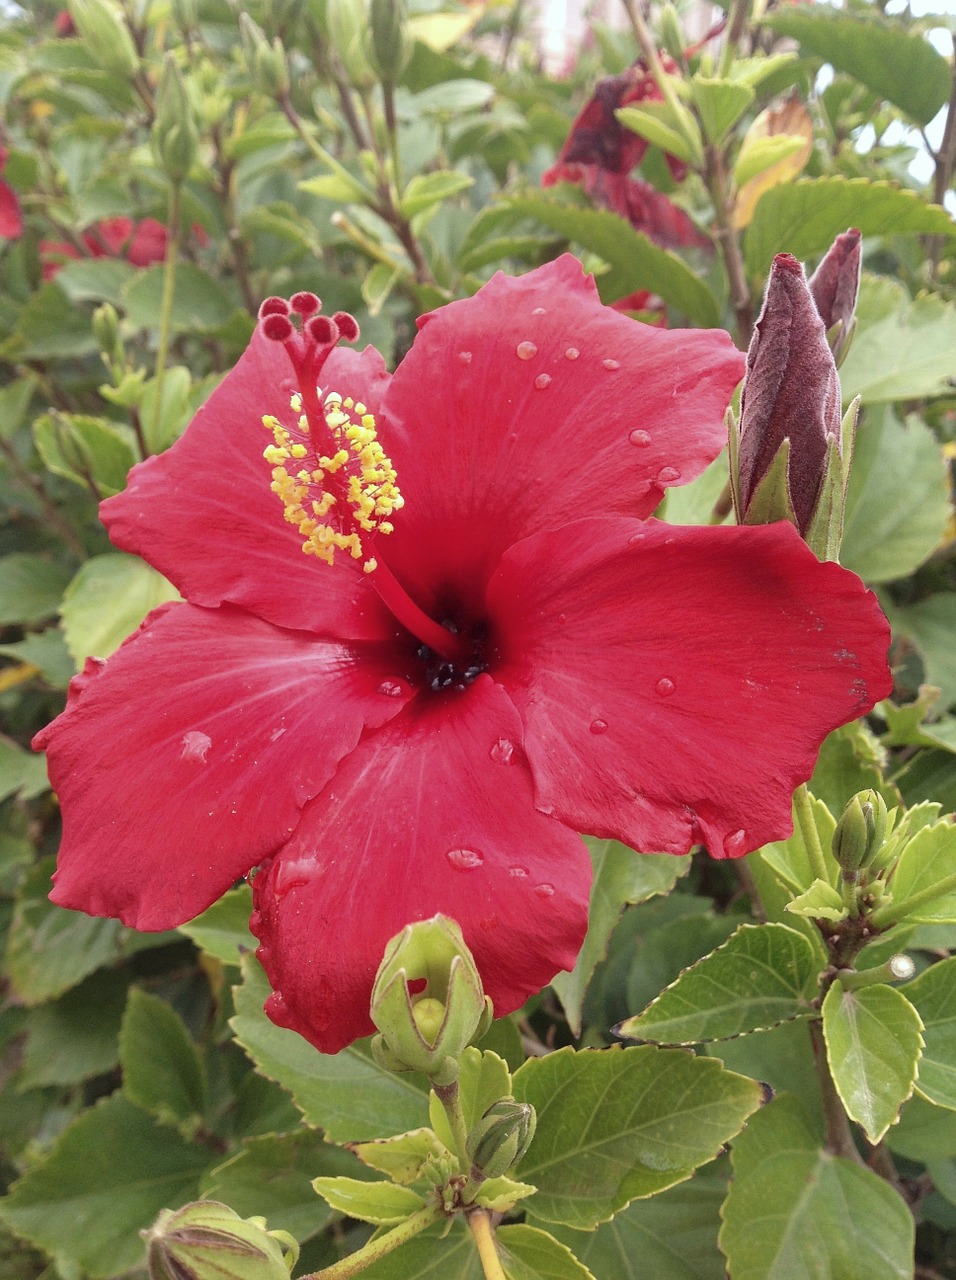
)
(789, 120)
(442, 30)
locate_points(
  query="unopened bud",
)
(209, 1241)
(834, 287)
(860, 833)
(428, 1030)
(347, 23)
(672, 36)
(501, 1136)
(106, 35)
(174, 138)
(267, 63)
(790, 434)
(106, 331)
(389, 46)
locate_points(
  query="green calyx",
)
(207, 1240)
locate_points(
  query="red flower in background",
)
(11, 219)
(530, 656)
(600, 153)
(140, 243)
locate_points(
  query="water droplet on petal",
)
(465, 859)
(539, 311)
(544, 890)
(611, 364)
(599, 726)
(637, 537)
(464, 357)
(572, 353)
(562, 618)
(640, 438)
(517, 872)
(526, 350)
(390, 689)
(503, 751)
(734, 843)
(277, 733)
(665, 687)
(291, 875)
(542, 380)
(668, 475)
(196, 745)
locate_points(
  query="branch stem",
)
(166, 309)
(483, 1234)
(839, 1137)
(380, 1247)
(806, 823)
(450, 1098)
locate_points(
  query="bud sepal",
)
(207, 1240)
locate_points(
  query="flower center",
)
(458, 673)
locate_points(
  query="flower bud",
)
(428, 1031)
(501, 1137)
(834, 287)
(174, 138)
(105, 33)
(860, 833)
(208, 1241)
(267, 63)
(347, 22)
(106, 331)
(388, 47)
(672, 36)
(790, 435)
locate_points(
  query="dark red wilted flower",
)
(791, 392)
(11, 219)
(140, 243)
(503, 651)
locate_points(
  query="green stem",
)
(805, 820)
(739, 12)
(483, 1234)
(450, 1098)
(893, 912)
(166, 310)
(380, 1247)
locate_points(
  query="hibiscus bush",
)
(477, 599)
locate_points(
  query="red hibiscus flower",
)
(11, 219)
(503, 651)
(140, 243)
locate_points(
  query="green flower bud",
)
(208, 1241)
(347, 22)
(106, 331)
(860, 833)
(501, 1136)
(267, 63)
(428, 1031)
(105, 33)
(388, 45)
(672, 37)
(174, 139)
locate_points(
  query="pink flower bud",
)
(836, 281)
(791, 392)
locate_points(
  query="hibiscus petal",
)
(435, 813)
(204, 515)
(676, 684)
(11, 219)
(186, 758)
(531, 404)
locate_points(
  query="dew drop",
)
(503, 751)
(542, 380)
(465, 859)
(518, 873)
(390, 689)
(526, 350)
(734, 843)
(539, 311)
(277, 733)
(544, 890)
(196, 745)
(611, 364)
(637, 537)
(640, 438)
(665, 687)
(464, 357)
(289, 876)
(667, 475)
(562, 618)
(599, 726)
(572, 353)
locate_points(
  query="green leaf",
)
(528, 1253)
(200, 302)
(620, 1124)
(805, 217)
(106, 602)
(655, 122)
(933, 996)
(436, 1254)
(428, 189)
(763, 974)
(383, 1203)
(92, 452)
(49, 328)
(21, 772)
(898, 65)
(635, 262)
(820, 902)
(930, 857)
(912, 724)
(346, 1093)
(925, 1132)
(30, 588)
(794, 1212)
(95, 279)
(501, 1194)
(789, 859)
(175, 408)
(621, 877)
(105, 1180)
(930, 626)
(762, 152)
(672, 1236)
(223, 929)
(378, 285)
(46, 650)
(874, 1043)
(75, 1036)
(453, 97)
(850, 760)
(907, 355)
(721, 103)
(340, 187)
(15, 400)
(401, 1158)
(162, 1072)
(484, 1078)
(272, 1176)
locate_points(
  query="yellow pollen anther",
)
(354, 483)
